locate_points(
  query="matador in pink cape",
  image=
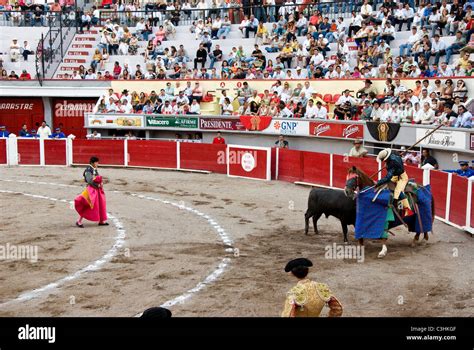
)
(91, 203)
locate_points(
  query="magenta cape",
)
(91, 205)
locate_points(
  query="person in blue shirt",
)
(3, 131)
(464, 119)
(24, 131)
(33, 134)
(58, 134)
(464, 170)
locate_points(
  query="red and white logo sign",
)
(350, 130)
(338, 130)
(248, 162)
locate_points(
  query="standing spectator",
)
(463, 170)
(24, 131)
(44, 131)
(3, 131)
(427, 158)
(58, 134)
(281, 142)
(358, 150)
(218, 139)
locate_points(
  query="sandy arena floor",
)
(168, 251)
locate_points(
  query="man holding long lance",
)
(397, 174)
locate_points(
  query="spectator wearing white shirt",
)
(366, 11)
(434, 19)
(85, 22)
(301, 25)
(424, 97)
(284, 112)
(438, 49)
(377, 112)
(14, 50)
(354, 24)
(340, 33)
(44, 131)
(321, 111)
(94, 135)
(388, 32)
(412, 39)
(425, 115)
(311, 111)
(445, 70)
(399, 87)
(195, 108)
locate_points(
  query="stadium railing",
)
(236, 13)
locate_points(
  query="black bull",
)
(330, 202)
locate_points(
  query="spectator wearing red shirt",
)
(108, 76)
(25, 75)
(117, 70)
(219, 140)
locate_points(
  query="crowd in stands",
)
(301, 39)
(441, 102)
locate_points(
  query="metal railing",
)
(28, 18)
(235, 13)
(52, 48)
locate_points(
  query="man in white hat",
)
(395, 173)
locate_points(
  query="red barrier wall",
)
(157, 154)
(236, 155)
(316, 168)
(439, 189)
(415, 173)
(55, 152)
(3, 151)
(457, 213)
(110, 152)
(342, 163)
(202, 156)
(290, 165)
(472, 204)
(28, 152)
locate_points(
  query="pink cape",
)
(91, 204)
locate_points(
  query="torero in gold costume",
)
(308, 298)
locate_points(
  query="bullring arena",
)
(173, 241)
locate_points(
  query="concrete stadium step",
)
(85, 38)
(77, 53)
(74, 60)
(83, 46)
